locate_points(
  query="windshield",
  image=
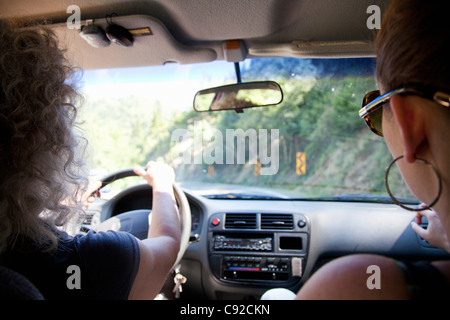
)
(312, 145)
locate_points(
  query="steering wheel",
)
(136, 222)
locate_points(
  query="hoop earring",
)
(426, 207)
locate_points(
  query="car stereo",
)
(244, 247)
(224, 242)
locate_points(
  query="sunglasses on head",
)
(372, 105)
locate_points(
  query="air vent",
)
(240, 221)
(277, 221)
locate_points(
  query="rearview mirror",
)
(238, 96)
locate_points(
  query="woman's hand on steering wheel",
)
(158, 175)
(89, 196)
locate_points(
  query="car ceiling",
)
(192, 31)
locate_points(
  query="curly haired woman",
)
(42, 180)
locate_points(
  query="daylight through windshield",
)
(313, 144)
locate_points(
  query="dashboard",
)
(241, 248)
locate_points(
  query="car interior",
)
(201, 78)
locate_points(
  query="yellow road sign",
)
(300, 168)
(258, 168)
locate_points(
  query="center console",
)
(263, 248)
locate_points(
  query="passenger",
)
(42, 179)
(413, 74)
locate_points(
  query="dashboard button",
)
(301, 223)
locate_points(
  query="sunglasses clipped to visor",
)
(372, 105)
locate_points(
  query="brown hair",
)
(413, 45)
(40, 171)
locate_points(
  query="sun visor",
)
(153, 45)
(301, 49)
